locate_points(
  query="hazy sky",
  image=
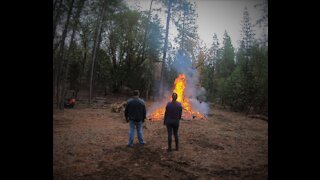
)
(214, 16)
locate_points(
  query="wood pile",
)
(118, 107)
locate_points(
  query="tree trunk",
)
(95, 47)
(57, 17)
(165, 50)
(145, 34)
(66, 60)
(59, 62)
(85, 51)
(55, 47)
(143, 58)
(113, 52)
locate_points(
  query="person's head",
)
(174, 96)
(136, 93)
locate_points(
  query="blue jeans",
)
(138, 126)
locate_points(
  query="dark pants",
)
(173, 124)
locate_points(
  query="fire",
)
(179, 88)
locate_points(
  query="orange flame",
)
(179, 88)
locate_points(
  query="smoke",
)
(194, 91)
(200, 106)
(199, 103)
(183, 64)
(156, 105)
(160, 102)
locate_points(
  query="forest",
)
(103, 50)
(104, 47)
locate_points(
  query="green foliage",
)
(185, 20)
(225, 65)
(242, 84)
(128, 45)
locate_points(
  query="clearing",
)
(90, 143)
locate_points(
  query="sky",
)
(214, 16)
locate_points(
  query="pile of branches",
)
(118, 107)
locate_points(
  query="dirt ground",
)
(90, 143)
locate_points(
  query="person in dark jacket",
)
(135, 114)
(171, 119)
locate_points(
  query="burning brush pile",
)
(189, 111)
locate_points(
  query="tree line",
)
(105, 47)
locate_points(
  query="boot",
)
(177, 147)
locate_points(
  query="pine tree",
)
(226, 64)
(185, 21)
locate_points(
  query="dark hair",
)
(136, 92)
(174, 96)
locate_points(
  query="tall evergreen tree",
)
(185, 21)
(226, 64)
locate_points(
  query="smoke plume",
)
(193, 91)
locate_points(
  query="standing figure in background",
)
(172, 118)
